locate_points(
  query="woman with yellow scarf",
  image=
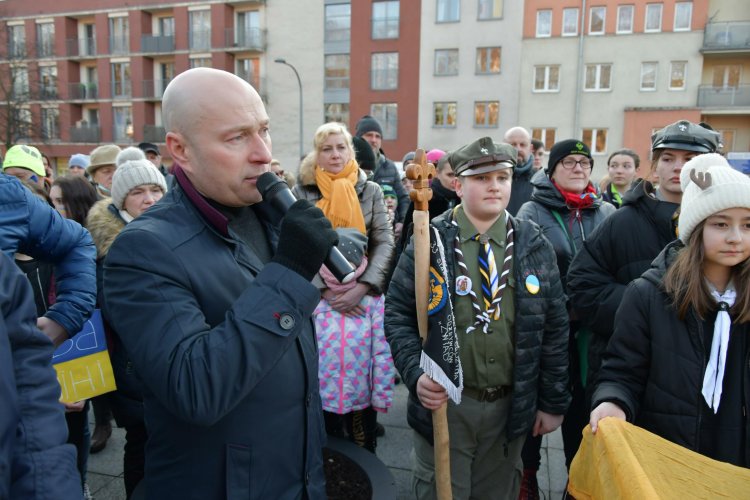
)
(349, 318)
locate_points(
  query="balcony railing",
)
(727, 36)
(83, 91)
(81, 47)
(16, 50)
(157, 43)
(200, 40)
(155, 88)
(154, 133)
(48, 93)
(710, 96)
(85, 133)
(121, 90)
(119, 45)
(45, 49)
(245, 39)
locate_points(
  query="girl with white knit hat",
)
(678, 362)
(136, 186)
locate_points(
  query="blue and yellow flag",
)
(82, 363)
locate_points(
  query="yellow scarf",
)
(340, 203)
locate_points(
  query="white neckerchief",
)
(713, 380)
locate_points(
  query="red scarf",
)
(578, 200)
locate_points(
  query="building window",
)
(490, 9)
(546, 135)
(48, 82)
(648, 75)
(446, 62)
(727, 139)
(727, 76)
(488, 60)
(486, 113)
(444, 114)
(543, 23)
(22, 123)
(597, 17)
(45, 39)
(20, 82)
(50, 124)
(123, 123)
(598, 77)
(200, 30)
(338, 22)
(677, 75)
(121, 79)
(385, 19)
(248, 29)
(653, 18)
(683, 12)
(570, 22)
(166, 26)
(249, 70)
(337, 112)
(336, 71)
(448, 11)
(384, 74)
(119, 33)
(387, 115)
(16, 41)
(625, 19)
(546, 78)
(596, 139)
(200, 62)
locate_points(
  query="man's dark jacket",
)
(226, 351)
(619, 250)
(386, 173)
(521, 188)
(540, 371)
(654, 365)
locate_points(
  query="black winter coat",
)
(442, 199)
(654, 365)
(540, 372)
(617, 252)
(386, 173)
(579, 223)
(521, 188)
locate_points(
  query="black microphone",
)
(277, 193)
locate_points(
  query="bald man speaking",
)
(210, 291)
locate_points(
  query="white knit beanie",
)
(133, 170)
(709, 185)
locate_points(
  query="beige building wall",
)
(468, 87)
(295, 33)
(605, 109)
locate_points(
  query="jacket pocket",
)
(238, 472)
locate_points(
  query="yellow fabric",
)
(624, 461)
(85, 377)
(340, 203)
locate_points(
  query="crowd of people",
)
(236, 350)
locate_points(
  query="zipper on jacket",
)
(41, 290)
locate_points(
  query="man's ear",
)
(458, 185)
(177, 147)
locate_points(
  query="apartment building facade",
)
(78, 74)
(469, 66)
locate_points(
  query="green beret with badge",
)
(482, 156)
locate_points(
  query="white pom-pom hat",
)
(133, 170)
(709, 185)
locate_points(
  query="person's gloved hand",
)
(305, 240)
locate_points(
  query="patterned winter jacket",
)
(356, 368)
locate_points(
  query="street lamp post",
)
(281, 60)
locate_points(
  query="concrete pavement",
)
(394, 449)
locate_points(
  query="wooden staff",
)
(421, 172)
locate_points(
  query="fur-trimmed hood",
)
(307, 173)
(104, 224)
